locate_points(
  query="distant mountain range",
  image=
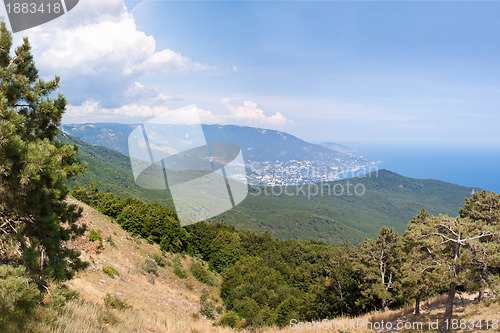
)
(317, 212)
(272, 157)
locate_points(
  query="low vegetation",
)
(110, 271)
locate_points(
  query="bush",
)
(202, 274)
(115, 302)
(230, 319)
(110, 241)
(150, 266)
(110, 271)
(207, 309)
(95, 235)
(178, 268)
(160, 259)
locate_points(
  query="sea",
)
(473, 166)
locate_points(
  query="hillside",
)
(112, 172)
(389, 200)
(160, 301)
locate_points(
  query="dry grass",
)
(163, 302)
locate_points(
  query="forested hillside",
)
(311, 212)
(267, 281)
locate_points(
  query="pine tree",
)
(378, 264)
(421, 277)
(462, 250)
(33, 166)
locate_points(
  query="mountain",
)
(272, 157)
(110, 135)
(302, 211)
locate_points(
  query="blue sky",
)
(352, 72)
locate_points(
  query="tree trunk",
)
(449, 308)
(385, 306)
(480, 295)
(417, 305)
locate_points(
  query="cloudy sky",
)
(352, 72)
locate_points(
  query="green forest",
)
(268, 281)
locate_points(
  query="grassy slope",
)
(390, 200)
(162, 303)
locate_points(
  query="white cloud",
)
(97, 48)
(99, 34)
(246, 114)
(143, 95)
(92, 111)
(167, 61)
(250, 114)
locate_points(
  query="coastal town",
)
(294, 172)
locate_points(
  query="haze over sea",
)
(467, 166)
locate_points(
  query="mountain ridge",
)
(272, 157)
(389, 199)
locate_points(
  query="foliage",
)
(379, 264)
(19, 299)
(110, 241)
(150, 266)
(110, 271)
(115, 302)
(34, 166)
(95, 235)
(207, 308)
(225, 250)
(464, 251)
(389, 200)
(151, 221)
(202, 274)
(159, 259)
(230, 319)
(178, 268)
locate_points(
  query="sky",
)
(351, 72)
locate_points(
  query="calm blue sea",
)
(468, 166)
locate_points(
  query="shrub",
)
(181, 273)
(150, 266)
(178, 268)
(110, 271)
(115, 302)
(110, 241)
(202, 274)
(230, 319)
(207, 309)
(160, 259)
(95, 235)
